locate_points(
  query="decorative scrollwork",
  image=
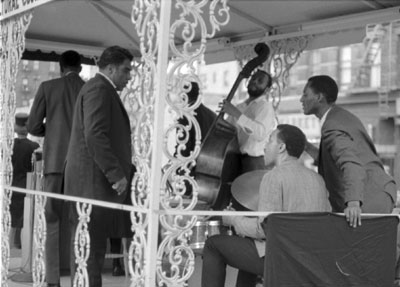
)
(284, 54)
(12, 40)
(187, 27)
(175, 258)
(39, 236)
(82, 244)
(145, 16)
(6, 225)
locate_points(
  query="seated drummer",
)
(288, 187)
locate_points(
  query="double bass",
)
(218, 162)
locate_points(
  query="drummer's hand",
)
(227, 220)
(229, 208)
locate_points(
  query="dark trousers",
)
(53, 213)
(115, 248)
(238, 252)
(98, 231)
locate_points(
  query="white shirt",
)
(289, 187)
(254, 125)
(323, 119)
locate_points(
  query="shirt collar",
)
(70, 72)
(256, 100)
(323, 119)
(108, 79)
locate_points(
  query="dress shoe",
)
(118, 271)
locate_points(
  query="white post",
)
(159, 106)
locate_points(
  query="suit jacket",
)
(54, 101)
(348, 161)
(99, 152)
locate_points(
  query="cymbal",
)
(245, 188)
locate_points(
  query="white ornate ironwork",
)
(175, 260)
(12, 40)
(39, 236)
(284, 54)
(82, 244)
(145, 16)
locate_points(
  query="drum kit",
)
(244, 190)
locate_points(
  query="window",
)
(25, 86)
(25, 65)
(299, 73)
(375, 80)
(325, 61)
(36, 65)
(345, 65)
(52, 67)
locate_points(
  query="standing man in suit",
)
(98, 164)
(347, 158)
(51, 118)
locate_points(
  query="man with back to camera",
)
(98, 164)
(288, 187)
(347, 158)
(51, 118)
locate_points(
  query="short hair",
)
(325, 85)
(71, 59)
(193, 94)
(293, 138)
(269, 77)
(114, 55)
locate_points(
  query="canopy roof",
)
(90, 26)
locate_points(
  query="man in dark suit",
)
(98, 164)
(347, 158)
(51, 118)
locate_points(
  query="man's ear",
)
(282, 147)
(110, 69)
(321, 97)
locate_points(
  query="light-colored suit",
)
(350, 165)
(99, 155)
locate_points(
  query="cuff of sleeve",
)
(243, 122)
(114, 175)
